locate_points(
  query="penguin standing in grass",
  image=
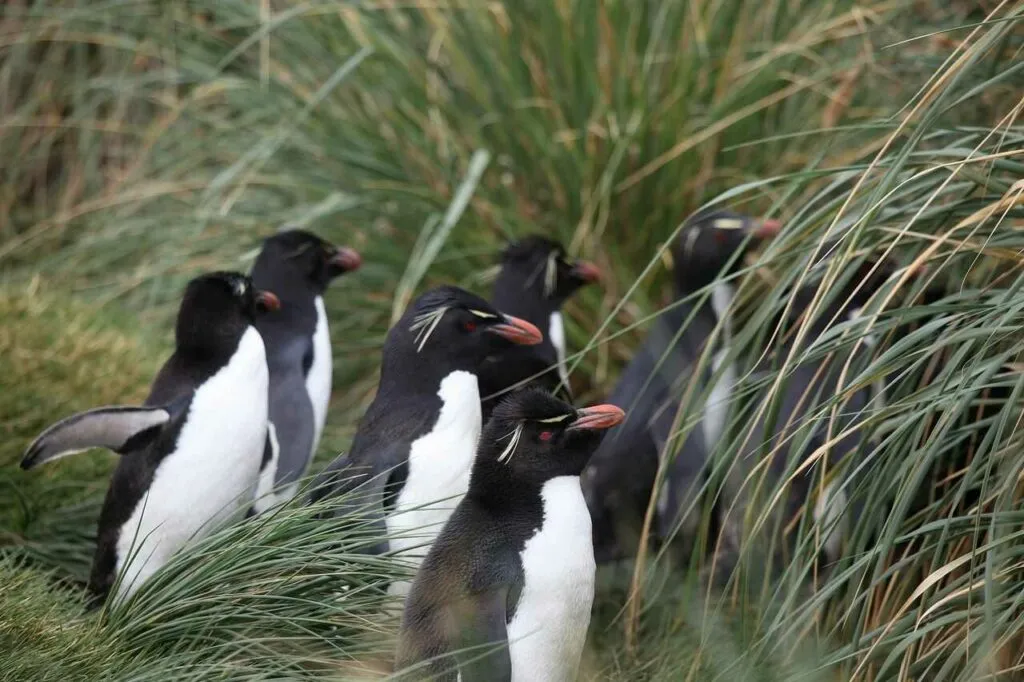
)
(534, 283)
(802, 421)
(506, 592)
(192, 453)
(298, 267)
(620, 477)
(414, 447)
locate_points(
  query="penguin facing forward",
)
(193, 451)
(620, 477)
(414, 447)
(506, 591)
(298, 267)
(803, 423)
(534, 283)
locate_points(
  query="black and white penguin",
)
(298, 267)
(803, 423)
(512, 573)
(192, 453)
(534, 282)
(620, 477)
(416, 442)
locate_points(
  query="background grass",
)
(145, 142)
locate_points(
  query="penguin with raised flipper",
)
(534, 282)
(620, 477)
(506, 591)
(192, 453)
(298, 267)
(414, 447)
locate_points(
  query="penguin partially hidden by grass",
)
(802, 424)
(298, 267)
(534, 283)
(191, 454)
(414, 447)
(620, 477)
(506, 591)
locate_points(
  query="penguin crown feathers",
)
(430, 308)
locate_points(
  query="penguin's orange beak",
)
(768, 229)
(346, 259)
(597, 417)
(586, 271)
(517, 331)
(267, 301)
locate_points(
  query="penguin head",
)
(537, 436)
(858, 287)
(449, 328)
(537, 266)
(304, 257)
(712, 240)
(220, 306)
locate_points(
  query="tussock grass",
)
(156, 140)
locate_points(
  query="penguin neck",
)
(203, 346)
(522, 297)
(492, 485)
(714, 306)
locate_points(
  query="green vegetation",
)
(144, 142)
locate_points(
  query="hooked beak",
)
(517, 331)
(267, 301)
(767, 229)
(597, 417)
(586, 271)
(346, 259)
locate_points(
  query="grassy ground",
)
(145, 142)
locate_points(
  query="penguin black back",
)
(534, 281)
(513, 568)
(619, 479)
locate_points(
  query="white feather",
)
(547, 633)
(318, 380)
(214, 467)
(829, 512)
(439, 467)
(556, 332)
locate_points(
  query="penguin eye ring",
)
(545, 436)
(469, 326)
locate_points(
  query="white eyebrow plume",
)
(514, 437)
(424, 325)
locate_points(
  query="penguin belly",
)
(439, 467)
(547, 633)
(320, 375)
(213, 469)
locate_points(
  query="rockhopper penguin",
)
(506, 591)
(298, 267)
(534, 283)
(619, 479)
(803, 422)
(414, 447)
(191, 455)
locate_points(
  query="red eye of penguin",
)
(545, 436)
(469, 326)
(720, 236)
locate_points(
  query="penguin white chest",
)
(556, 332)
(214, 467)
(439, 467)
(547, 633)
(318, 380)
(717, 406)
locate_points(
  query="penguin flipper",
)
(484, 653)
(117, 428)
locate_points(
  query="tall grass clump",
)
(160, 139)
